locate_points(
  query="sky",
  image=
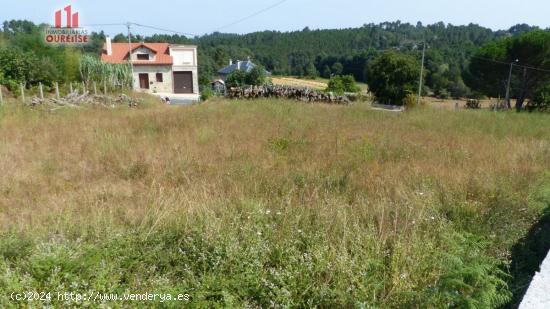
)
(205, 16)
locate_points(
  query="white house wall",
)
(184, 55)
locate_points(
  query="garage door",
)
(183, 82)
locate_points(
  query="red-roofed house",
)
(160, 68)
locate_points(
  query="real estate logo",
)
(70, 33)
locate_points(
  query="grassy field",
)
(270, 204)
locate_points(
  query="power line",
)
(514, 64)
(165, 30)
(193, 34)
(252, 15)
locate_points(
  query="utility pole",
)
(507, 99)
(421, 73)
(130, 55)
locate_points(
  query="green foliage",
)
(349, 51)
(342, 84)
(25, 58)
(256, 76)
(489, 68)
(240, 78)
(25, 68)
(236, 79)
(71, 65)
(471, 278)
(206, 93)
(541, 99)
(392, 76)
(115, 75)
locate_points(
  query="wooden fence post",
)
(105, 87)
(22, 92)
(41, 91)
(57, 90)
(71, 87)
(95, 88)
(83, 87)
(1, 98)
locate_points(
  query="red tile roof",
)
(120, 53)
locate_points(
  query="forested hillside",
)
(348, 51)
(301, 53)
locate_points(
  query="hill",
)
(322, 53)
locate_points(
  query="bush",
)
(206, 94)
(443, 94)
(541, 99)
(410, 101)
(239, 78)
(341, 84)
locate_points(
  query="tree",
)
(489, 68)
(256, 76)
(326, 72)
(311, 71)
(392, 76)
(236, 79)
(337, 68)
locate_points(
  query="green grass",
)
(269, 204)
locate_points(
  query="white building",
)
(159, 68)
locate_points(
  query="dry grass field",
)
(270, 203)
(299, 82)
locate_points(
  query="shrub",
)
(239, 78)
(411, 101)
(206, 93)
(541, 99)
(341, 84)
(336, 85)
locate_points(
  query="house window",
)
(159, 78)
(143, 56)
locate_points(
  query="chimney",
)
(108, 46)
(238, 64)
(230, 61)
